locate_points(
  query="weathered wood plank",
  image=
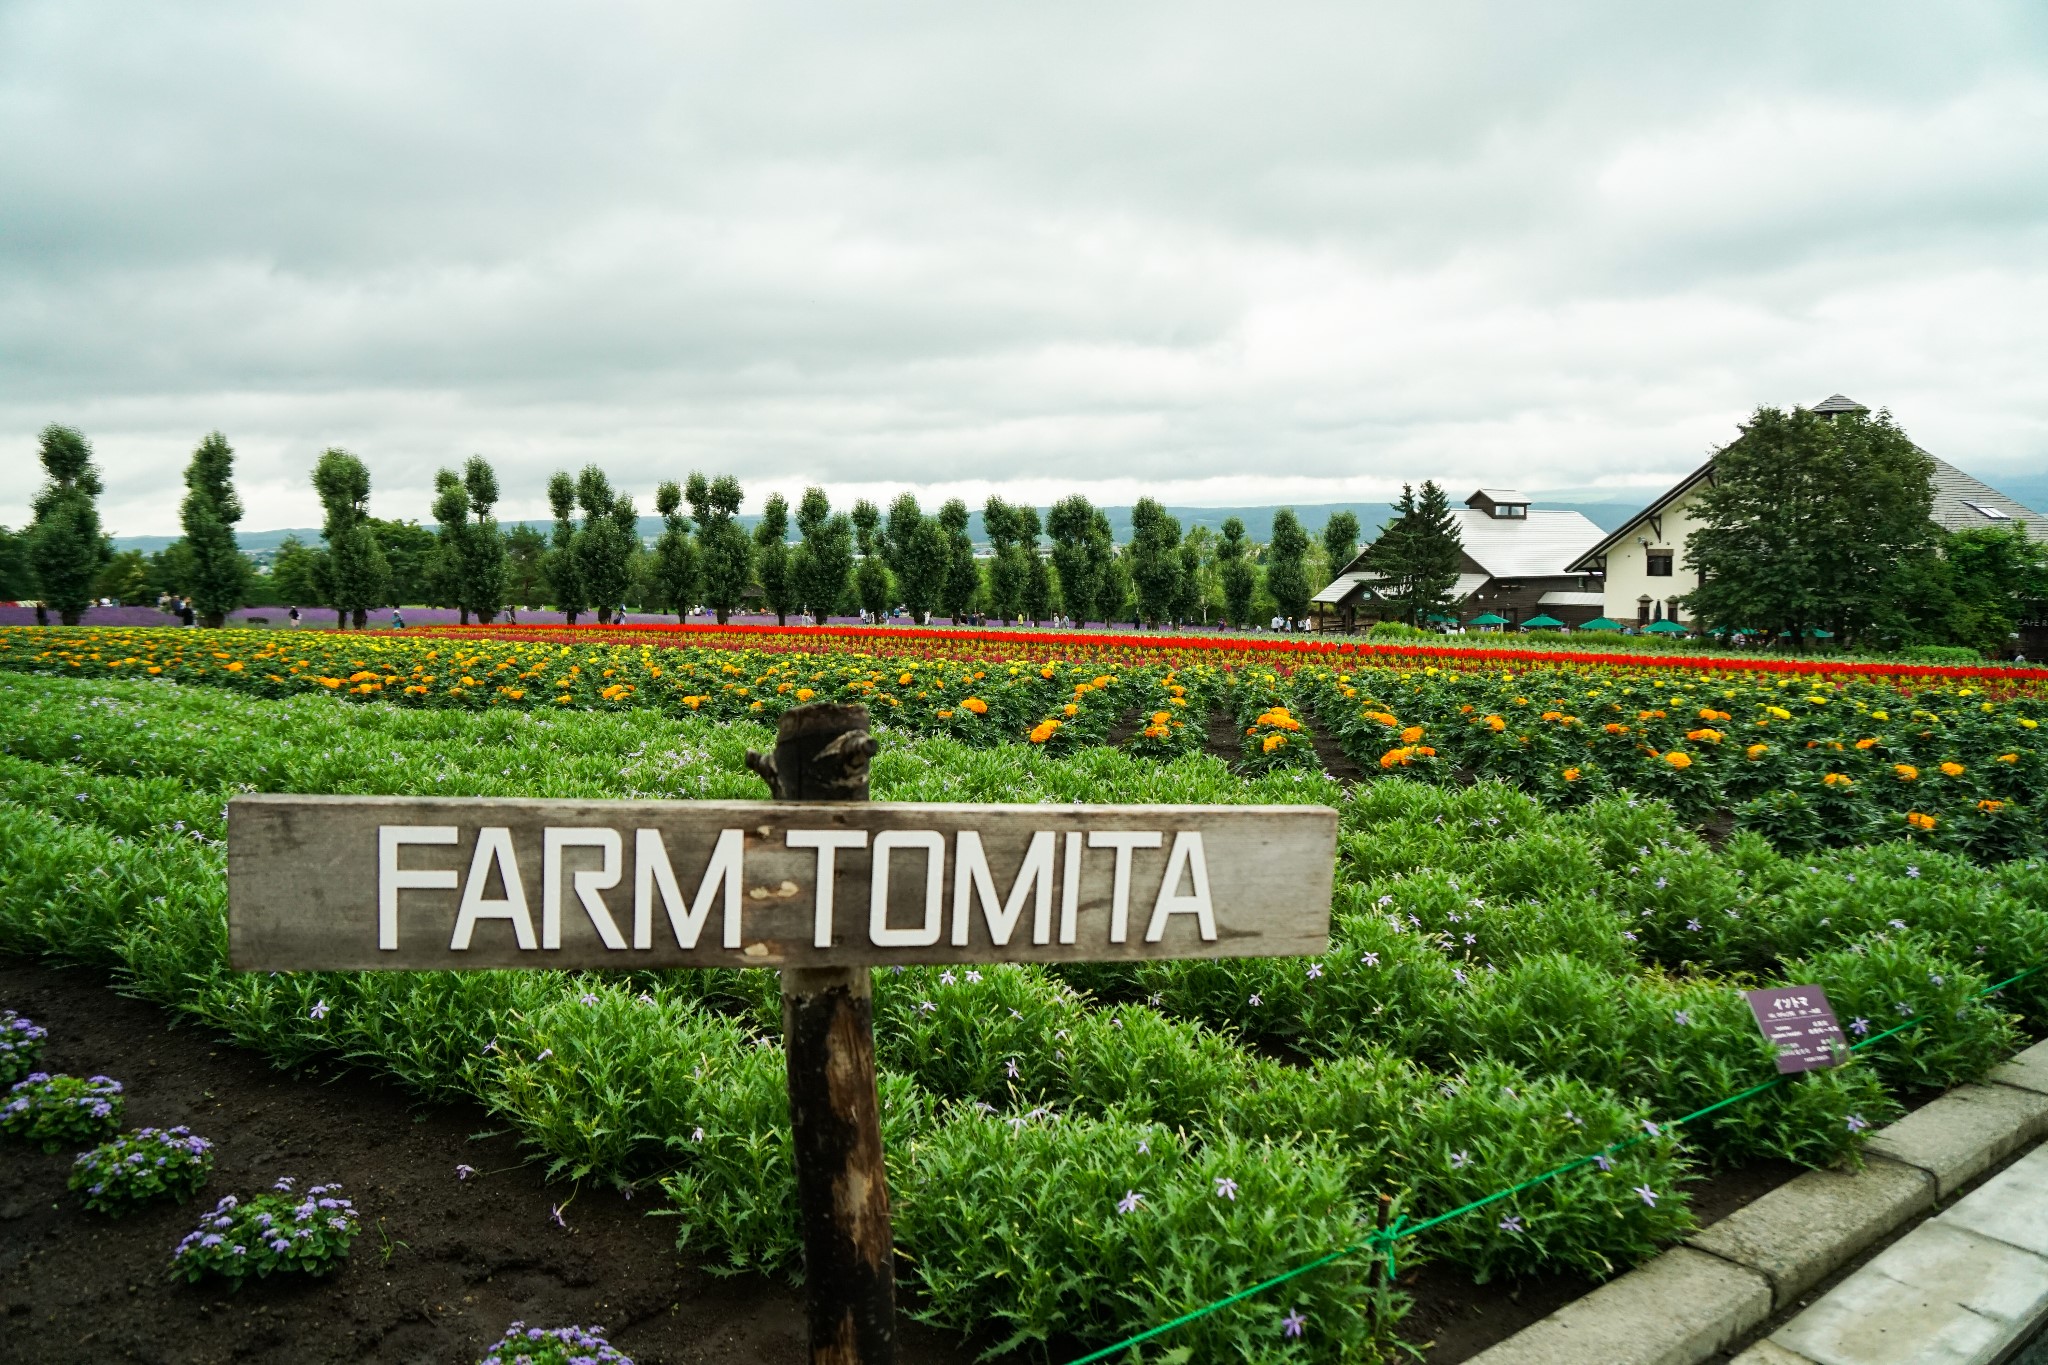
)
(427, 883)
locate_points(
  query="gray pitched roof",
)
(1962, 503)
(1836, 402)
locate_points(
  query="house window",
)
(1642, 611)
(1502, 510)
(1660, 564)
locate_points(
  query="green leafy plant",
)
(523, 1345)
(58, 1111)
(277, 1232)
(138, 1168)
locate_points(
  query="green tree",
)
(963, 576)
(125, 578)
(915, 546)
(1805, 521)
(482, 580)
(605, 543)
(1041, 592)
(65, 545)
(1340, 541)
(1010, 565)
(353, 574)
(1155, 561)
(1416, 559)
(292, 572)
(444, 563)
(220, 574)
(822, 566)
(1082, 553)
(412, 562)
(673, 581)
(771, 558)
(725, 553)
(1240, 581)
(526, 555)
(871, 585)
(15, 580)
(564, 574)
(1287, 567)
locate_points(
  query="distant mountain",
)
(1258, 522)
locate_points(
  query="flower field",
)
(1526, 967)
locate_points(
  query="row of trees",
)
(592, 560)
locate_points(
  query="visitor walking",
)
(397, 621)
(295, 618)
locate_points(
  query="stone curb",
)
(1696, 1299)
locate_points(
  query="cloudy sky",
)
(1218, 253)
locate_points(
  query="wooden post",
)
(842, 1186)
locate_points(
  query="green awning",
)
(1665, 628)
(1440, 617)
(1602, 623)
(1487, 619)
(1542, 623)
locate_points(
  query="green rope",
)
(1401, 1228)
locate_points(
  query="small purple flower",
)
(697, 1134)
(319, 1010)
(973, 975)
(1255, 1000)
(1130, 1202)
(587, 998)
(1683, 1017)
(1226, 1188)
(1315, 969)
(1693, 925)
(545, 1053)
(1511, 1223)
(1648, 1195)
(1010, 1068)
(1857, 1123)
(1896, 923)
(1459, 974)
(464, 1172)
(1651, 1129)
(555, 1214)
(1859, 1026)
(1459, 1160)
(1912, 871)
(1471, 938)
(1371, 959)
(1603, 1161)
(1661, 883)
(1903, 1008)
(1294, 1324)
(946, 978)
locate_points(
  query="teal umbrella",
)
(1487, 619)
(1542, 623)
(1439, 617)
(1664, 628)
(1602, 623)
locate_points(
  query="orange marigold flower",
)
(802, 693)
(1161, 717)
(1071, 710)
(1705, 736)
(2008, 758)
(974, 704)
(1043, 731)
(1272, 742)
(1990, 805)
(1615, 729)
(1953, 769)
(1756, 750)
(1907, 772)
(1837, 780)
(1919, 821)
(1866, 743)
(1678, 759)
(1411, 734)
(1572, 774)
(1496, 724)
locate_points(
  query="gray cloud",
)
(1301, 253)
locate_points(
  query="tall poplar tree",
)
(1340, 540)
(1155, 562)
(565, 579)
(674, 580)
(963, 575)
(353, 574)
(725, 554)
(451, 510)
(220, 574)
(1008, 570)
(1287, 566)
(1082, 553)
(871, 578)
(1240, 579)
(822, 565)
(482, 580)
(605, 543)
(771, 558)
(916, 548)
(65, 546)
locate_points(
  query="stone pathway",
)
(1964, 1288)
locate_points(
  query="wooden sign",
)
(429, 883)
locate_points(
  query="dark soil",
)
(442, 1265)
(1226, 741)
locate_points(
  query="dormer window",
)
(1502, 504)
(1986, 510)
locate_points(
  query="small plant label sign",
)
(1800, 1023)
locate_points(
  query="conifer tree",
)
(725, 556)
(675, 570)
(353, 574)
(65, 547)
(220, 574)
(771, 558)
(871, 577)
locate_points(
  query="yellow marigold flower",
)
(324, 682)
(1678, 760)
(563, 699)
(945, 715)
(235, 667)
(1919, 821)
(1411, 734)
(1572, 774)
(976, 705)
(1705, 735)
(1103, 681)
(694, 702)
(2030, 724)
(1155, 732)
(1953, 769)
(1837, 780)
(1043, 731)
(1880, 715)
(1780, 712)
(1756, 750)
(1071, 710)
(1907, 772)
(1272, 742)
(2008, 758)
(1383, 717)
(1160, 717)
(1990, 805)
